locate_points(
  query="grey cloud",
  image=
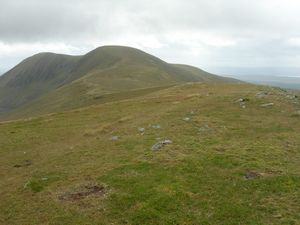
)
(34, 20)
(28, 21)
(204, 33)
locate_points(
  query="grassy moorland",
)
(230, 162)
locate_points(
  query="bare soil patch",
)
(82, 192)
(24, 163)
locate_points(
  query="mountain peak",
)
(107, 69)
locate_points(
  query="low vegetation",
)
(227, 161)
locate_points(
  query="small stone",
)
(292, 97)
(156, 126)
(165, 142)
(141, 130)
(243, 100)
(44, 179)
(160, 144)
(114, 138)
(204, 128)
(267, 104)
(186, 119)
(156, 146)
(261, 94)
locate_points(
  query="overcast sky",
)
(223, 36)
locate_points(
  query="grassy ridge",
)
(62, 100)
(226, 165)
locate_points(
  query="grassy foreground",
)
(226, 164)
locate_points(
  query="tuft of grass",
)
(39, 183)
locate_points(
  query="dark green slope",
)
(34, 77)
(63, 81)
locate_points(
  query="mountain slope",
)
(34, 77)
(105, 70)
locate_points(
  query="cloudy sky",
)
(222, 36)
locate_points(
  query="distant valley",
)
(292, 82)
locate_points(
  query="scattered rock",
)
(156, 126)
(267, 104)
(114, 138)
(83, 192)
(292, 97)
(160, 144)
(243, 105)
(204, 128)
(141, 130)
(24, 163)
(186, 119)
(243, 100)
(156, 146)
(261, 94)
(167, 142)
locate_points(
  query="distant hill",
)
(52, 82)
(288, 82)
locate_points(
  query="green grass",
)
(198, 179)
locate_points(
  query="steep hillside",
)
(189, 154)
(60, 80)
(34, 77)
